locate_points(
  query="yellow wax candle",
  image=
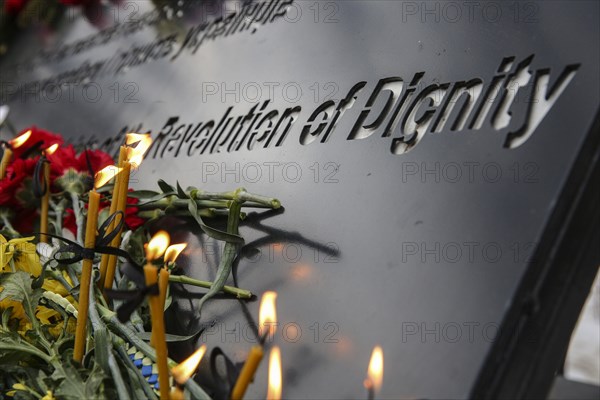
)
(5, 161)
(86, 275)
(45, 205)
(123, 179)
(154, 250)
(163, 284)
(8, 153)
(267, 319)
(113, 208)
(158, 331)
(247, 374)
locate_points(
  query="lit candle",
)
(274, 389)
(46, 197)
(374, 373)
(6, 157)
(154, 250)
(121, 195)
(267, 321)
(113, 208)
(129, 158)
(171, 255)
(182, 372)
(91, 227)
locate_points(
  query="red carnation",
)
(12, 184)
(66, 157)
(61, 160)
(14, 6)
(132, 220)
(97, 160)
(39, 138)
(12, 193)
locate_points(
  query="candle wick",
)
(368, 383)
(263, 338)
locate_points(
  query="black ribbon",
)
(132, 270)
(101, 246)
(89, 162)
(40, 186)
(6, 145)
(223, 380)
(88, 180)
(132, 298)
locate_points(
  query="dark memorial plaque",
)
(434, 160)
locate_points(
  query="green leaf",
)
(142, 194)
(156, 198)
(13, 349)
(181, 193)
(101, 348)
(168, 337)
(17, 286)
(212, 232)
(70, 383)
(6, 317)
(134, 384)
(165, 187)
(94, 388)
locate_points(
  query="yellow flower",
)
(17, 313)
(54, 286)
(46, 316)
(22, 253)
(49, 396)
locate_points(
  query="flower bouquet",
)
(83, 283)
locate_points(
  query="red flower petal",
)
(46, 138)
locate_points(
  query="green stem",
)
(9, 226)
(240, 195)
(128, 334)
(237, 292)
(250, 201)
(78, 217)
(157, 213)
(98, 325)
(118, 344)
(57, 276)
(59, 212)
(26, 349)
(244, 196)
(173, 201)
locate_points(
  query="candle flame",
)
(274, 391)
(105, 175)
(20, 140)
(184, 371)
(50, 150)
(142, 143)
(157, 245)
(375, 371)
(173, 252)
(267, 317)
